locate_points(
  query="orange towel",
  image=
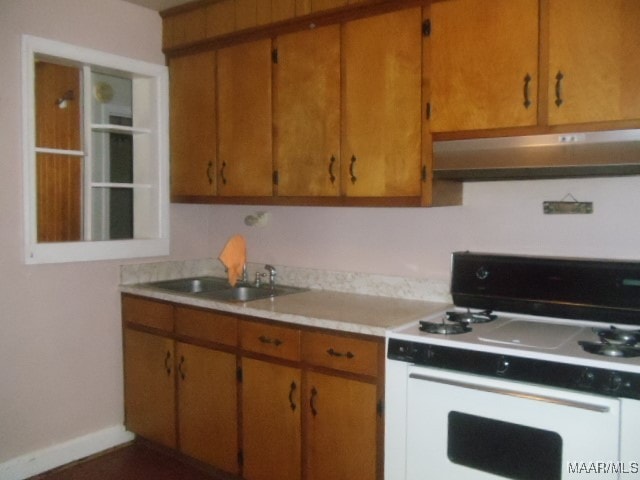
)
(234, 257)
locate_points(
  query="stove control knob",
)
(503, 366)
(615, 380)
(587, 378)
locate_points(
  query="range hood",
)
(604, 153)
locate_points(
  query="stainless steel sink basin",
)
(247, 293)
(219, 289)
(192, 285)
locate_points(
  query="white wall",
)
(60, 335)
(501, 217)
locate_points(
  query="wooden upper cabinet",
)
(244, 126)
(594, 66)
(307, 113)
(381, 105)
(193, 132)
(484, 64)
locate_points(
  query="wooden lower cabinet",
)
(207, 405)
(255, 399)
(271, 421)
(149, 381)
(341, 428)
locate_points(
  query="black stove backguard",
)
(596, 290)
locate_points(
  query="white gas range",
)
(506, 385)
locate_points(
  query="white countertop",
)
(347, 312)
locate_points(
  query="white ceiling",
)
(158, 5)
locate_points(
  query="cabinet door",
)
(307, 113)
(271, 421)
(594, 64)
(207, 406)
(149, 382)
(193, 129)
(484, 70)
(341, 425)
(245, 162)
(382, 105)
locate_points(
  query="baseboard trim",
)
(60, 454)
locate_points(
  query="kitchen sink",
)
(192, 285)
(216, 288)
(247, 293)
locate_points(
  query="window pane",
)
(59, 197)
(58, 103)
(112, 215)
(112, 157)
(111, 94)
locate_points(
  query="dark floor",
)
(136, 461)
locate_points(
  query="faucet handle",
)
(272, 273)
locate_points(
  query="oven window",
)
(507, 449)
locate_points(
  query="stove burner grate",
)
(444, 327)
(483, 316)
(611, 350)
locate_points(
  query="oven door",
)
(464, 426)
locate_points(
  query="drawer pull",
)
(167, 365)
(335, 353)
(559, 78)
(182, 375)
(222, 177)
(312, 401)
(527, 83)
(209, 177)
(270, 341)
(332, 177)
(352, 172)
(292, 404)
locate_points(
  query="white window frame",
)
(154, 240)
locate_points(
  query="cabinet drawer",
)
(207, 325)
(280, 342)
(340, 353)
(148, 313)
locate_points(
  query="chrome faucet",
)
(272, 275)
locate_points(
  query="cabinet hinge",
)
(275, 177)
(380, 408)
(423, 175)
(274, 55)
(239, 374)
(427, 111)
(240, 458)
(426, 28)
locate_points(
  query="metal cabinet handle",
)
(527, 84)
(182, 375)
(312, 401)
(335, 353)
(209, 177)
(352, 169)
(222, 177)
(167, 364)
(332, 177)
(270, 341)
(292, 390)
(559, 78)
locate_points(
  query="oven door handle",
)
(513, 393)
